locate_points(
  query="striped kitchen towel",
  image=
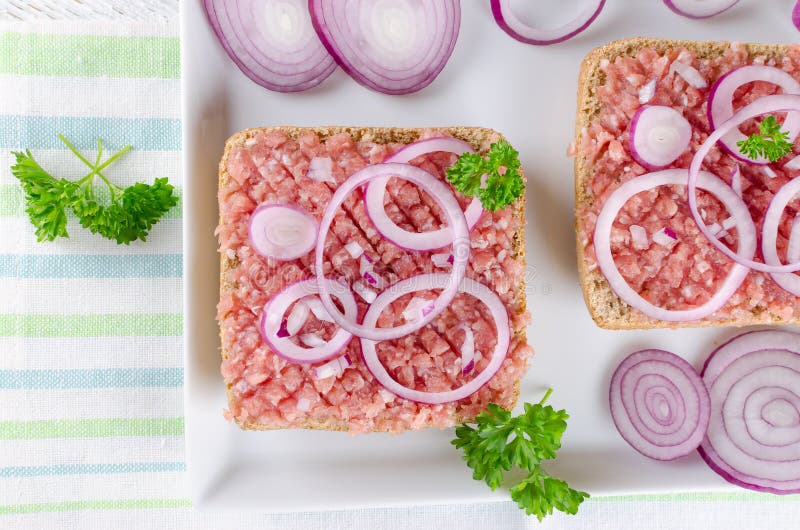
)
(91, 427)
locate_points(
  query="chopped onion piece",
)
(312, 340)
(665, 237)
(467, 349)
(417, 308)
(321, 169)
(387, 396)
(442, 260)
(794, 163)
(648, 91)
(317, 308)
(367, 294)
(736, 180)
(689, 74)
(333, 368)
(303, 404)
(297, 317)
(639, 237)
(283, 331)
(769, 172)
(354, 249)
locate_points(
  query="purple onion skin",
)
(796, 15)
(678, 11)
(500, 19)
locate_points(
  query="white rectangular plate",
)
(527, 93)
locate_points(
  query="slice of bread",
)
(606, 308)
(480, 139)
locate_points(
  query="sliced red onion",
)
(639, 237)
(736, 180)
(367, 294)
(753, 437)
(373, 198)
(467, 349)
(648, 91)
(282, 232)
(700, 8)
(333, 368)
(272, 42)
(312, 340)
(720, 104)
(665, 237)
(793, 164)
(793, 246)
(354, 249)
(510, 23)
(303, 404)
(658, 136)
(283, 330)
(769, 235)
(317, 308)
(764, 105)
(393, 47)
(659, 404)
(689, 74)
(417, 308)
(438, 281)
(297, 317)
(442, 260)
(796, 15)
(440, 193)
(275, 308)
(602, 240)
(321, 169)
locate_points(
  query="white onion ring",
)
(444, 197)
(514, 26)
(437, 281)
(659, 404)
(754, 384)
(720, 104)
(281, 231)
(602, 241)
(769, 235)
(272, 317)
(658, 136)
(764, 105)
(376, 189)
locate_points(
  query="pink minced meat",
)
(265, 389)
(687, 273)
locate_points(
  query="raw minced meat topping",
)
(682, 270)
(268, 390)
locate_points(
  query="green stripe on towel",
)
(92, 325)
(90, 428)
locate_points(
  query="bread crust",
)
(605, 307)
(480, 138)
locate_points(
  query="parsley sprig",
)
(770, 142)
(502, 183)
(499, 442)
(126, 215)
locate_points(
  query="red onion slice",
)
(769, 236)
(272, 318)
(648, 91)
(332, 368)
(420, 241)
(796, 15)
(736, 180)
(272, 42)
(700, 8)
(659, 404)
(720, 104)
(438, 281)
(602, 240)
(753, 437)
(793, 164)
(510, 23)
(658, 136)
(467, 349)
(394, 47)
(282, 232)
(764, 105)
(689, 73)
(444, 197)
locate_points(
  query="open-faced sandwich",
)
(685, 179)
(363, 287)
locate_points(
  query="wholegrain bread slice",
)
(479, 138)
(606, 308)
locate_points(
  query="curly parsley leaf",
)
(500, 441)
(127, 215)
(495, 179)
(771, 142)
(539, 493)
